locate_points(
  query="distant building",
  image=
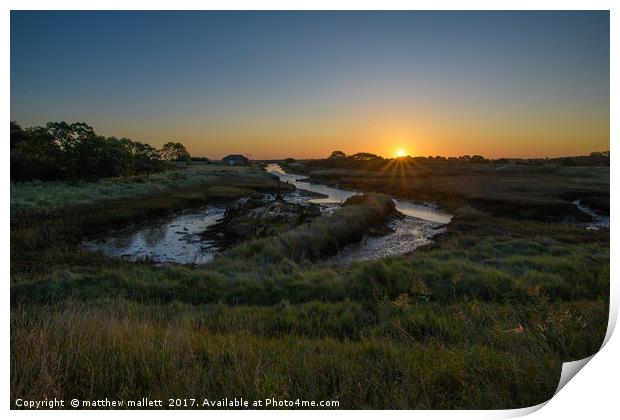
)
(236, 160)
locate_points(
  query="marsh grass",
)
(38, 197)
(322, 236)
(481, 318)
(542, 192)
(417, 356)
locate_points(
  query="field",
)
(541, 192)
(482, 318)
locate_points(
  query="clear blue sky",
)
(301, 84)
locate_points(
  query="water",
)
(336, 196)
(172, 239)
(331, 195)
(408, 234)
(420, 224)
(178, 238)
(598, 221)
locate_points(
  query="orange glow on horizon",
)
(264, 137)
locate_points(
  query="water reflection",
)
(154, 235)
(420, 224)
(407, 234)
(174, 239)
(334, 195)
(599, 221)
(177, 238)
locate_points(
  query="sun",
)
(400, 153)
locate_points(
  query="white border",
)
(592, 394)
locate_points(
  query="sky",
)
(302, 84)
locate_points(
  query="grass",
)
(418, 356)
(323, 236)
(533, 192)
(268, 271)
(482, 318)
(38, 197)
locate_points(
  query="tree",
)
(79, 147)
(337, 155)
(146, 158)
(74, 151)
(600, 154)
(68, 136)
(365, 156)
(18, 136)
(478, 159)
(174, 152)
(34, 155)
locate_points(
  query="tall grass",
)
(322, 236)
(399, 356)
(441, 276)
(44, 197)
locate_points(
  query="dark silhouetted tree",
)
(174, 152)
(478, 159)
(74, 151)
(365, 156)
(337, 155)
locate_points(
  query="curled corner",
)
(569, 370)
(613, 317)
(522, 412)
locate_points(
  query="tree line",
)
(60, 150)
(363, 160)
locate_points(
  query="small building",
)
(236, 160)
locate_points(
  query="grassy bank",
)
(541, 192)
(263, 272)
(38, 197)
(482, 318)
